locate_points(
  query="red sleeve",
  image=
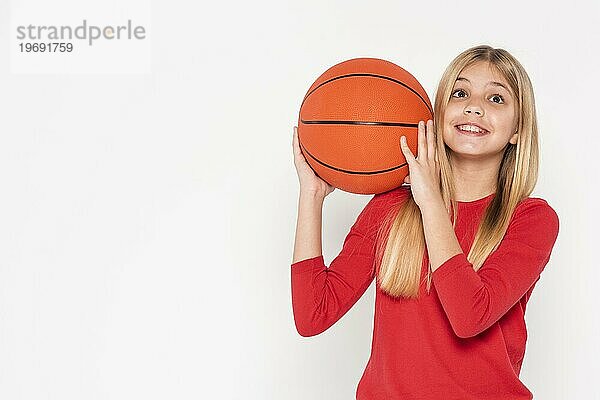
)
(321, 295)
(473, 301)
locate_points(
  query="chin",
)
(472, 154)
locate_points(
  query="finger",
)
(407, 179)
(295, 142)
(408, 155)
(422, 146)
(294, 138)
(431, 149)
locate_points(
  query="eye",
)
(457, 91)
(498, 96)
(495, 96)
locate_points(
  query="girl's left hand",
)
(424, 170)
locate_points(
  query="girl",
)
(456, 252)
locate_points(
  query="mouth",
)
(471, 130)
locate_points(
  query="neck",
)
(474, 179)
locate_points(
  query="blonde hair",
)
(400, 256)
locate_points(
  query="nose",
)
(473, 109)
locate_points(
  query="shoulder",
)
(391, 197)
(536, 208)
(382, 203)
(379, 207)
(534, 217)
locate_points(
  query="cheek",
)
(448, 134)
(450, 115)
(505, 123)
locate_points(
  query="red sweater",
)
(466, 338)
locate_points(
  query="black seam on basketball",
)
(407, 125)
(374, 76)
(351, 172)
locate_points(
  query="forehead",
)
(482, 74)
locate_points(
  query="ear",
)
(514, 138)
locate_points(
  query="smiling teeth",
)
(470, 128)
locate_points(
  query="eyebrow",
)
(493, 83)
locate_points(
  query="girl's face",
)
(481, 117)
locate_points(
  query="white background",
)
(147, 220)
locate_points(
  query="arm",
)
(440, 237)
(322, 295)
(308, 226)
(473, 301)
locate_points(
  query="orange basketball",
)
(351, 121)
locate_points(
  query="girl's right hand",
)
(309, 181)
